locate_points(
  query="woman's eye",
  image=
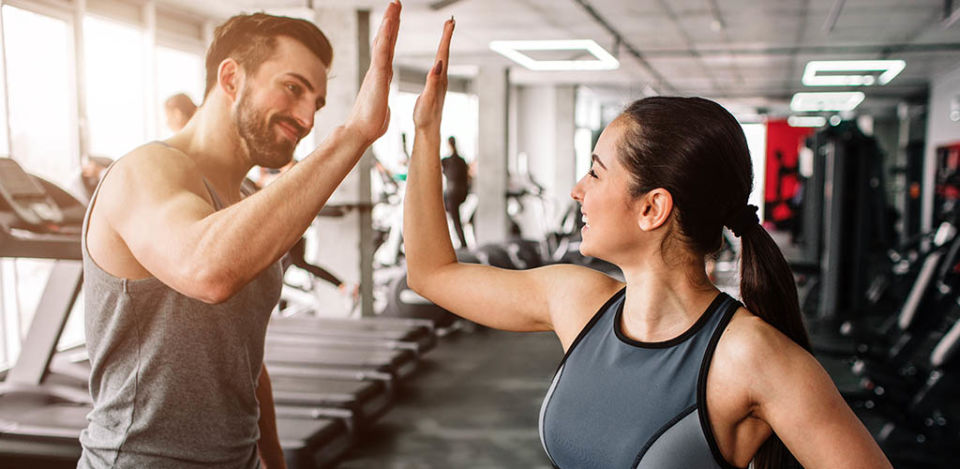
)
(592, 173)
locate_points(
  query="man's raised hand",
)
(370, 116)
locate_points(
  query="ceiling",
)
(747, 54)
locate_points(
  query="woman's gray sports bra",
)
(619, 403)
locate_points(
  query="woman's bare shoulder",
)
(576, 294)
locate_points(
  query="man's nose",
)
(304, 115)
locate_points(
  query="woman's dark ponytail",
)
(768, 291)
(696, 150)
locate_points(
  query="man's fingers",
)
(391, 17)
(388, 32)
(394, 33)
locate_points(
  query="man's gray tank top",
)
(619, 403)
(173, 379)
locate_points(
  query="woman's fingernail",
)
(439, 67)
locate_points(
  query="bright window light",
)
(888, 69)
(4, 140)
(512, 50)
(806, 121)
(836, 101)
(115, 63)
(43, 127)
(756, 135)
(177, 72)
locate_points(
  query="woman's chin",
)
(585, 250)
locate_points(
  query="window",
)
(4, 141)
(43, 135)
(756, 135)
(115, 67)
(177, 72)
(43, 139)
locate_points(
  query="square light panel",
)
(851, 72)
(519, 52)
(806, 121)
(835, 101)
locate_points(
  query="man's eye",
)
(293, 88)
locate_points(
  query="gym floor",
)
(475, 403)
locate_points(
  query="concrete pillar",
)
(546, 123)
(344, 245)
(492, 84)
(565, 160)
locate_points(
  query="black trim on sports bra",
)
(701, 321)
(733, 306)
(583, 332)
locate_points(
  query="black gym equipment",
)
(846, 219)
(403, 302)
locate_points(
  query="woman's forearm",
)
(426, 238)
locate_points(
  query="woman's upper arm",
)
(798, 399)
(538, 299)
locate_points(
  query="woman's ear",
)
(654, 209)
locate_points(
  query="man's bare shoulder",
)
(150, 170)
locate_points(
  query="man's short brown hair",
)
(251, 39)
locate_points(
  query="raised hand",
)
(370, 116)
(429, 108)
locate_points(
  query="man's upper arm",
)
(152, 200)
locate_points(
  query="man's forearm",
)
(246, 237)
(271, 455)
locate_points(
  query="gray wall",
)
(940, 130)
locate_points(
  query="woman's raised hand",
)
(371, 114)
(429, 108)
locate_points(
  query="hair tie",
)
(742, 219)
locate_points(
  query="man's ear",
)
(230, 77)
(654, 209)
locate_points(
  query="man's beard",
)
(259, 137)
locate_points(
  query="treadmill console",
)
(26, 197)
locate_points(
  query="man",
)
(180, 273)
(456, 173)
(178, 109)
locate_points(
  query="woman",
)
(663, 371)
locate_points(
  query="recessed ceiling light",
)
(836, 101)
(880, 72)
(513, 51)
(806, 121)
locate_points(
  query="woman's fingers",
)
(443, 51)
(430, 103)
(436, 79)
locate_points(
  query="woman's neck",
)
(664, 299)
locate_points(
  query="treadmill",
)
(41, 421)
(356, 400)
(418, 336)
